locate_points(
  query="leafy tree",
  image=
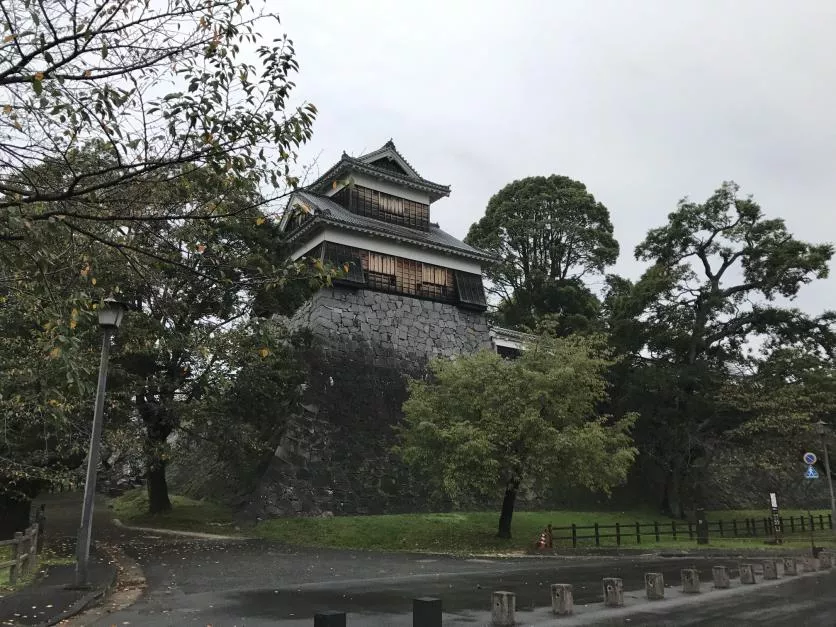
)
(205, 279)
(228, 436)
(159, 85)
(48, 351)
(107, 108)
(483, 425)
(548, 233)
(567, 302)
(687, 323)
(783, 396)
(189, 317)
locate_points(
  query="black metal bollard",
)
(329, 619)
(426, 612)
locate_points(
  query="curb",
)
(185, 534)
(601, 614)
(718, 552)
(83, 603)
(125, 588)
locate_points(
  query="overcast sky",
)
(643, 101)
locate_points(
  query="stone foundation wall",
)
(336, 455)
(390, 329)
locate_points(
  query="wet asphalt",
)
(254, 583)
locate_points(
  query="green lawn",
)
(475, 532)
(458, 533)
(186, 514)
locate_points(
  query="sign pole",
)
(829, 483)
(776, 518)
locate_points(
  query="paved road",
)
(806, 602)
(255, 583)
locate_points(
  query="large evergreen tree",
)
(549, 234)
(688, 322)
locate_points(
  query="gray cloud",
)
(643, 101)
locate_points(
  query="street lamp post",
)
(820, 429)
(110, 317)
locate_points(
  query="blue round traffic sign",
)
(810, 458)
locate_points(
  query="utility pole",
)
(822, 431)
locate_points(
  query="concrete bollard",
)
(329, 619)
(825, 561)
(563, 599)
(426, 612)
(721, 577)
(809, 564)
(613, 589)
(690, 580)
(503, 607)
(747, 574)
(654, 586)
(770, 569)
(790, 566)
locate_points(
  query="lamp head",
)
(110, 314)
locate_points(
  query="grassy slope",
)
(459, 532)
(474, 532)
(186, 514)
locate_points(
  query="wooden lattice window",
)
(399, 275)
(346, 259)
(435, 275)
(470, 289)
(382, 206)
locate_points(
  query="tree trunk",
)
(15, 515)
(672, 497)
(159, 424)
(507, 512)
(158, 500)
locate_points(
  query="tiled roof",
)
(327, 211)
(383, 151)
(360, 164)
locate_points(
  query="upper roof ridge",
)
(365, 163)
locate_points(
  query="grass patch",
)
(470, 533)
(45, 559)
(459, 533)
(186, 514)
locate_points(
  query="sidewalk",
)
(50, 599)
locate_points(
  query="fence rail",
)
(635, 533)
(24, 553)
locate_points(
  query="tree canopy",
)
(688, 324)
(158, 86)
(483, 425)
(549, 233)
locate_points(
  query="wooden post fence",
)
(24, 554)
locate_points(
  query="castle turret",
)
(408, 292)
(410, 289)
